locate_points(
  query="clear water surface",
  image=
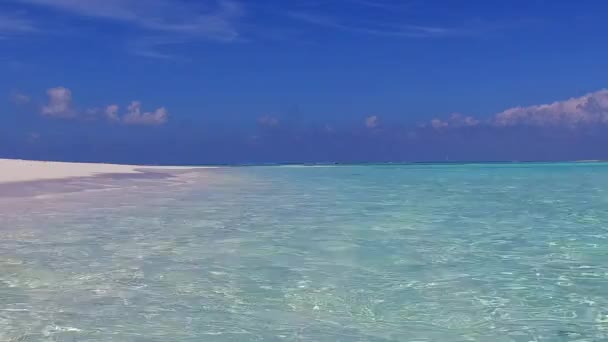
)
(512, 252)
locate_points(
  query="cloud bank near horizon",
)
(577, 112)
(586, 110)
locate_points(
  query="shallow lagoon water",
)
(502, 252)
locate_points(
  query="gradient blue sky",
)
(234, 81)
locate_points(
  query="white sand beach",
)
(15, 170)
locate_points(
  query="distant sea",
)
(423, 252)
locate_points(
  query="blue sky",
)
(229, 81)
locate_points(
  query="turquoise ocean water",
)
(502, 252)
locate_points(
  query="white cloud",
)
(268, 120)
(459, 120)
(455, 120)
(135, 116)
(111, 113)
(588, 109)
(59, 104)
(438, 124)
(379, 28)
(371, 121)
(13, 24)
(20, 99)
(213, 19)
(33, 137)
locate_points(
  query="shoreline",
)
(20, 171)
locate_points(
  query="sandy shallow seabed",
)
(32, 208)
(486, 252)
